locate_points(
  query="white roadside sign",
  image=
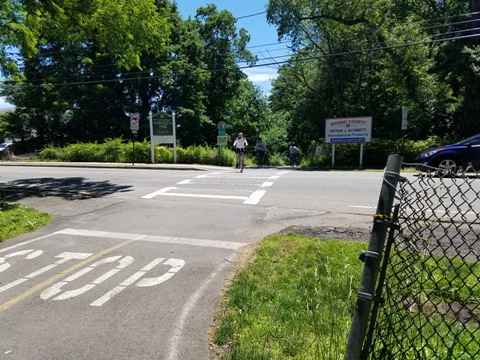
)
(348, 130)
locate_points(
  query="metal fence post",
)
(372, 258)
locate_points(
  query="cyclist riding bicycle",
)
(239, 145)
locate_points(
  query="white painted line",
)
(246, 177)
(41, 271)
(27, 242)
(361, 207)
(12, 284)
(63, 258)
(206, 175)
(267, 183)
(116, 290)
(142, 272)
(185, 182)
(255, 197)
(107, 296)
(158, 192)
(56, 288)
(176, 265)
(5, 265)
(95, 233)
(231, 197)
(176, 342)
(152, 238)
(127, 260)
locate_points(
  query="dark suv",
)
(450, 158)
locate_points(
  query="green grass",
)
(423, 318)
(295, 301)
(17, 219)
(296, 297)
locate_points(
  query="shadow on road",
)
(71, 188)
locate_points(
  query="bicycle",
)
(295, 159)
(241, 157)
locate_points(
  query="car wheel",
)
(447, 166)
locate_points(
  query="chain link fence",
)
(428, 295)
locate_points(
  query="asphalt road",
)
(135, 259)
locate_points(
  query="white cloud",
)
(262, 77)
(4, 104)
(260, 74)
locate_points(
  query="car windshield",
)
(2, 146)
(471, 140)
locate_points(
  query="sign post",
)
(163, 131)
(221, 138)
(404, 117)
(134, 126)
(152, 143)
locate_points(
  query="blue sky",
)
(264, 40)
(263, 43)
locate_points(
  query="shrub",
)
(81, 152)
(164, 154)
(346, 155)
(143, 152)
(112, 150)
(51, 154)
(276, 159)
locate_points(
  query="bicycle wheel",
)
(241, 162)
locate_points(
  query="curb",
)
(117, 165)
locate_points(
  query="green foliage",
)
(82, 152)
(276, 159)
(346, 155)
(165, 155)
(17, 219)
(112, 150)
(89, 68)
(375, 153)
(143, 152)
(195, 155)
(336, 73)
(51, 154)
(117, 150)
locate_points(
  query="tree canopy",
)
(371, 57)
(76, 70)
(86, 66)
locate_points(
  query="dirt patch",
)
(337, 233)
(17, 158)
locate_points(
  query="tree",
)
(71, 86)
(223, 47)
(367, 57)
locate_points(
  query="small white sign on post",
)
(134, 122)
(221, 140)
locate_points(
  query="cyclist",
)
(239, 145)
(260, 148)
(293, 151)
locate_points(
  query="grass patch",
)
(433, 309)
(17, 219)
(294, 301)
